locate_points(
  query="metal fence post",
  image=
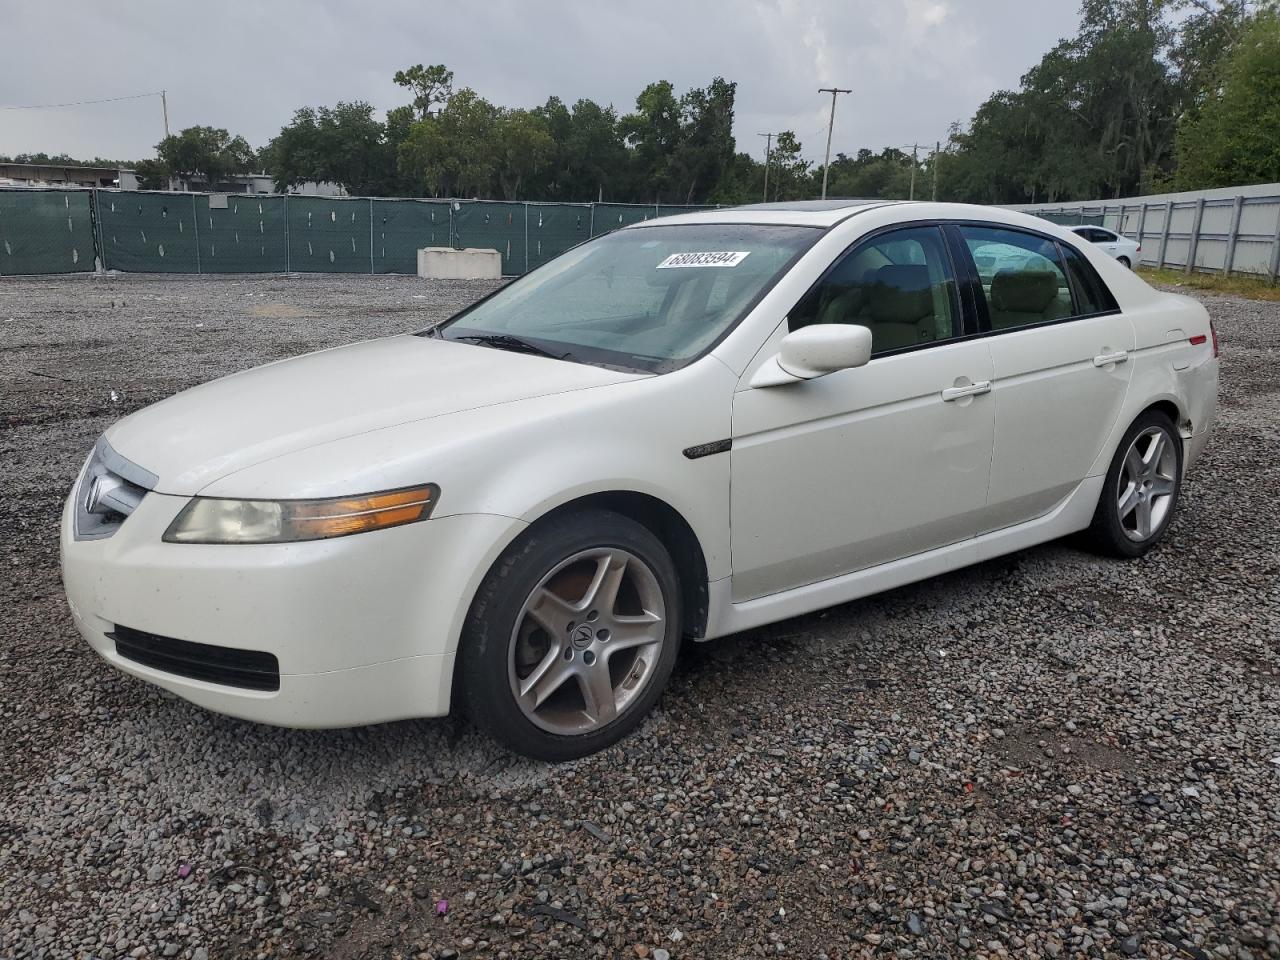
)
(195, 222)
(1164, 236)
(1275, 250)
(526, 237)
(1234, 235)
(288, 252)
(591, 230)
(1194, 242)
(100, 247)
(371, 236)
(1142, 228)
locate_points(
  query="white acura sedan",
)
(684, 429)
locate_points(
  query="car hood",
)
(202, 434)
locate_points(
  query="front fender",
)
(522, 460)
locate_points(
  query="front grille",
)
(247, 669)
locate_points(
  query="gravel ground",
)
(1046, 755)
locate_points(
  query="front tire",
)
(1141, 490)
(572, 635)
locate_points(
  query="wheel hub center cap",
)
(583, 635)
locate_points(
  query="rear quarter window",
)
(1092, 295)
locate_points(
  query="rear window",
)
(1023, 282)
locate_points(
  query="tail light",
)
(1201, 338)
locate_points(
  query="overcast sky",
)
(914, 65)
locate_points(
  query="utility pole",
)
(164, 105)
(768, 149)
(915, 152)
(826, 162)
(937, 150)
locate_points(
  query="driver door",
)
(876, 463)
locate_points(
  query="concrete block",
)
(445, 263)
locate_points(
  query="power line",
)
(78, 103)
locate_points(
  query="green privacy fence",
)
(72, 231)
(46, 231)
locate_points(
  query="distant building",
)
(259, 183)
(55, 175)
(123, 178)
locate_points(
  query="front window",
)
(647, 298)
(899, 285)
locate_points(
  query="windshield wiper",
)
(505, 341)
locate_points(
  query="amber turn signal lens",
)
(315, 519)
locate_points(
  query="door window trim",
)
(981, 309)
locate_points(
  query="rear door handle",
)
(972, 390)
(1102, 359)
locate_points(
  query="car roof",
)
(827, 213)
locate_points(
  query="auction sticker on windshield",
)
(718, 258)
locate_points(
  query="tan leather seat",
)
(900, 307)
(1021, 297)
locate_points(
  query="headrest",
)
(901, 293)
(1024, 291)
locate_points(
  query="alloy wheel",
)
(586, 641)
(1147, 483)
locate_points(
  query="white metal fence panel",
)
(1213, 231)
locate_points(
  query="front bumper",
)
(364, 628)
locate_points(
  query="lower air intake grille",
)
(248, 669)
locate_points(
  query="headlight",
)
(211, 520)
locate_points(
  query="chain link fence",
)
(53, 231)
(1214, 231)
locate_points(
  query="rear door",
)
(1059, 351)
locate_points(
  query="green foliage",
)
(1234, 136)
(1098, 116)
(343, 144)
(210, 154)
(885, 175)
(430, 86)
(789, 173)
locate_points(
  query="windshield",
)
(648, 298)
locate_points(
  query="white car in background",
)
(1113, 244)
(684, 429)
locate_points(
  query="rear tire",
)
(1142, 488)
(1124, 262)
(572, 635)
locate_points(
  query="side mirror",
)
(815, 351)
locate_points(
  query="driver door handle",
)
(972, 390)
(1120, 356)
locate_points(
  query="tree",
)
(1234, 137)
(523, 145)
(652, 134)
(590, 157)
(343, 144)
(884, 175)
(789, 173)
(454, 151)
(706, 146)
(210, 154)
(430, 85)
